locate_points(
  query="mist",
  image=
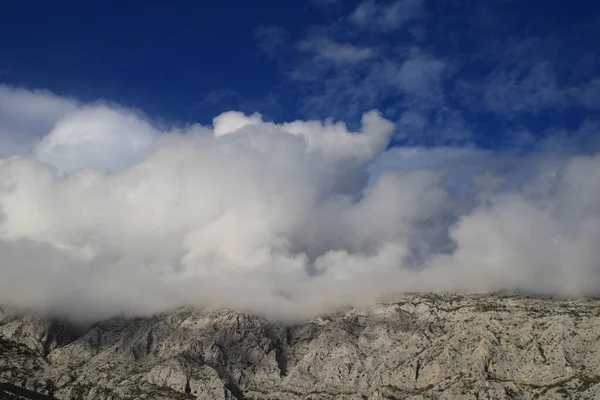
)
(104, 212)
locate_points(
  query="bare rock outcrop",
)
(412, 347)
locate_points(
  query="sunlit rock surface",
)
(411, 347)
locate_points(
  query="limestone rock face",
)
(411, 347)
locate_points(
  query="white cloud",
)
(510, 91)
(271, 39)
(280, 218)
(419, 75)
(97, 137)
(587, 95)
(232, 121)
(386, 17)
(329, 50)
(26, 115)
(540, 241)
(412, 81)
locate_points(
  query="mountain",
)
(412, 347)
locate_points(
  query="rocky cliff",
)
(412, 347)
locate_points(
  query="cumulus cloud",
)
(110, 214)
(25, 115)
(97, 137)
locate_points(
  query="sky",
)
(497, 73)
(289, 158)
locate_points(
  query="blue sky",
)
(496, 74)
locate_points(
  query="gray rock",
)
(412, 347)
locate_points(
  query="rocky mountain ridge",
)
(412, 347)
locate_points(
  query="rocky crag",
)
(414, 347)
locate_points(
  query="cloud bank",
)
(104, 212)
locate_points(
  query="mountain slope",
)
(414, 347)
